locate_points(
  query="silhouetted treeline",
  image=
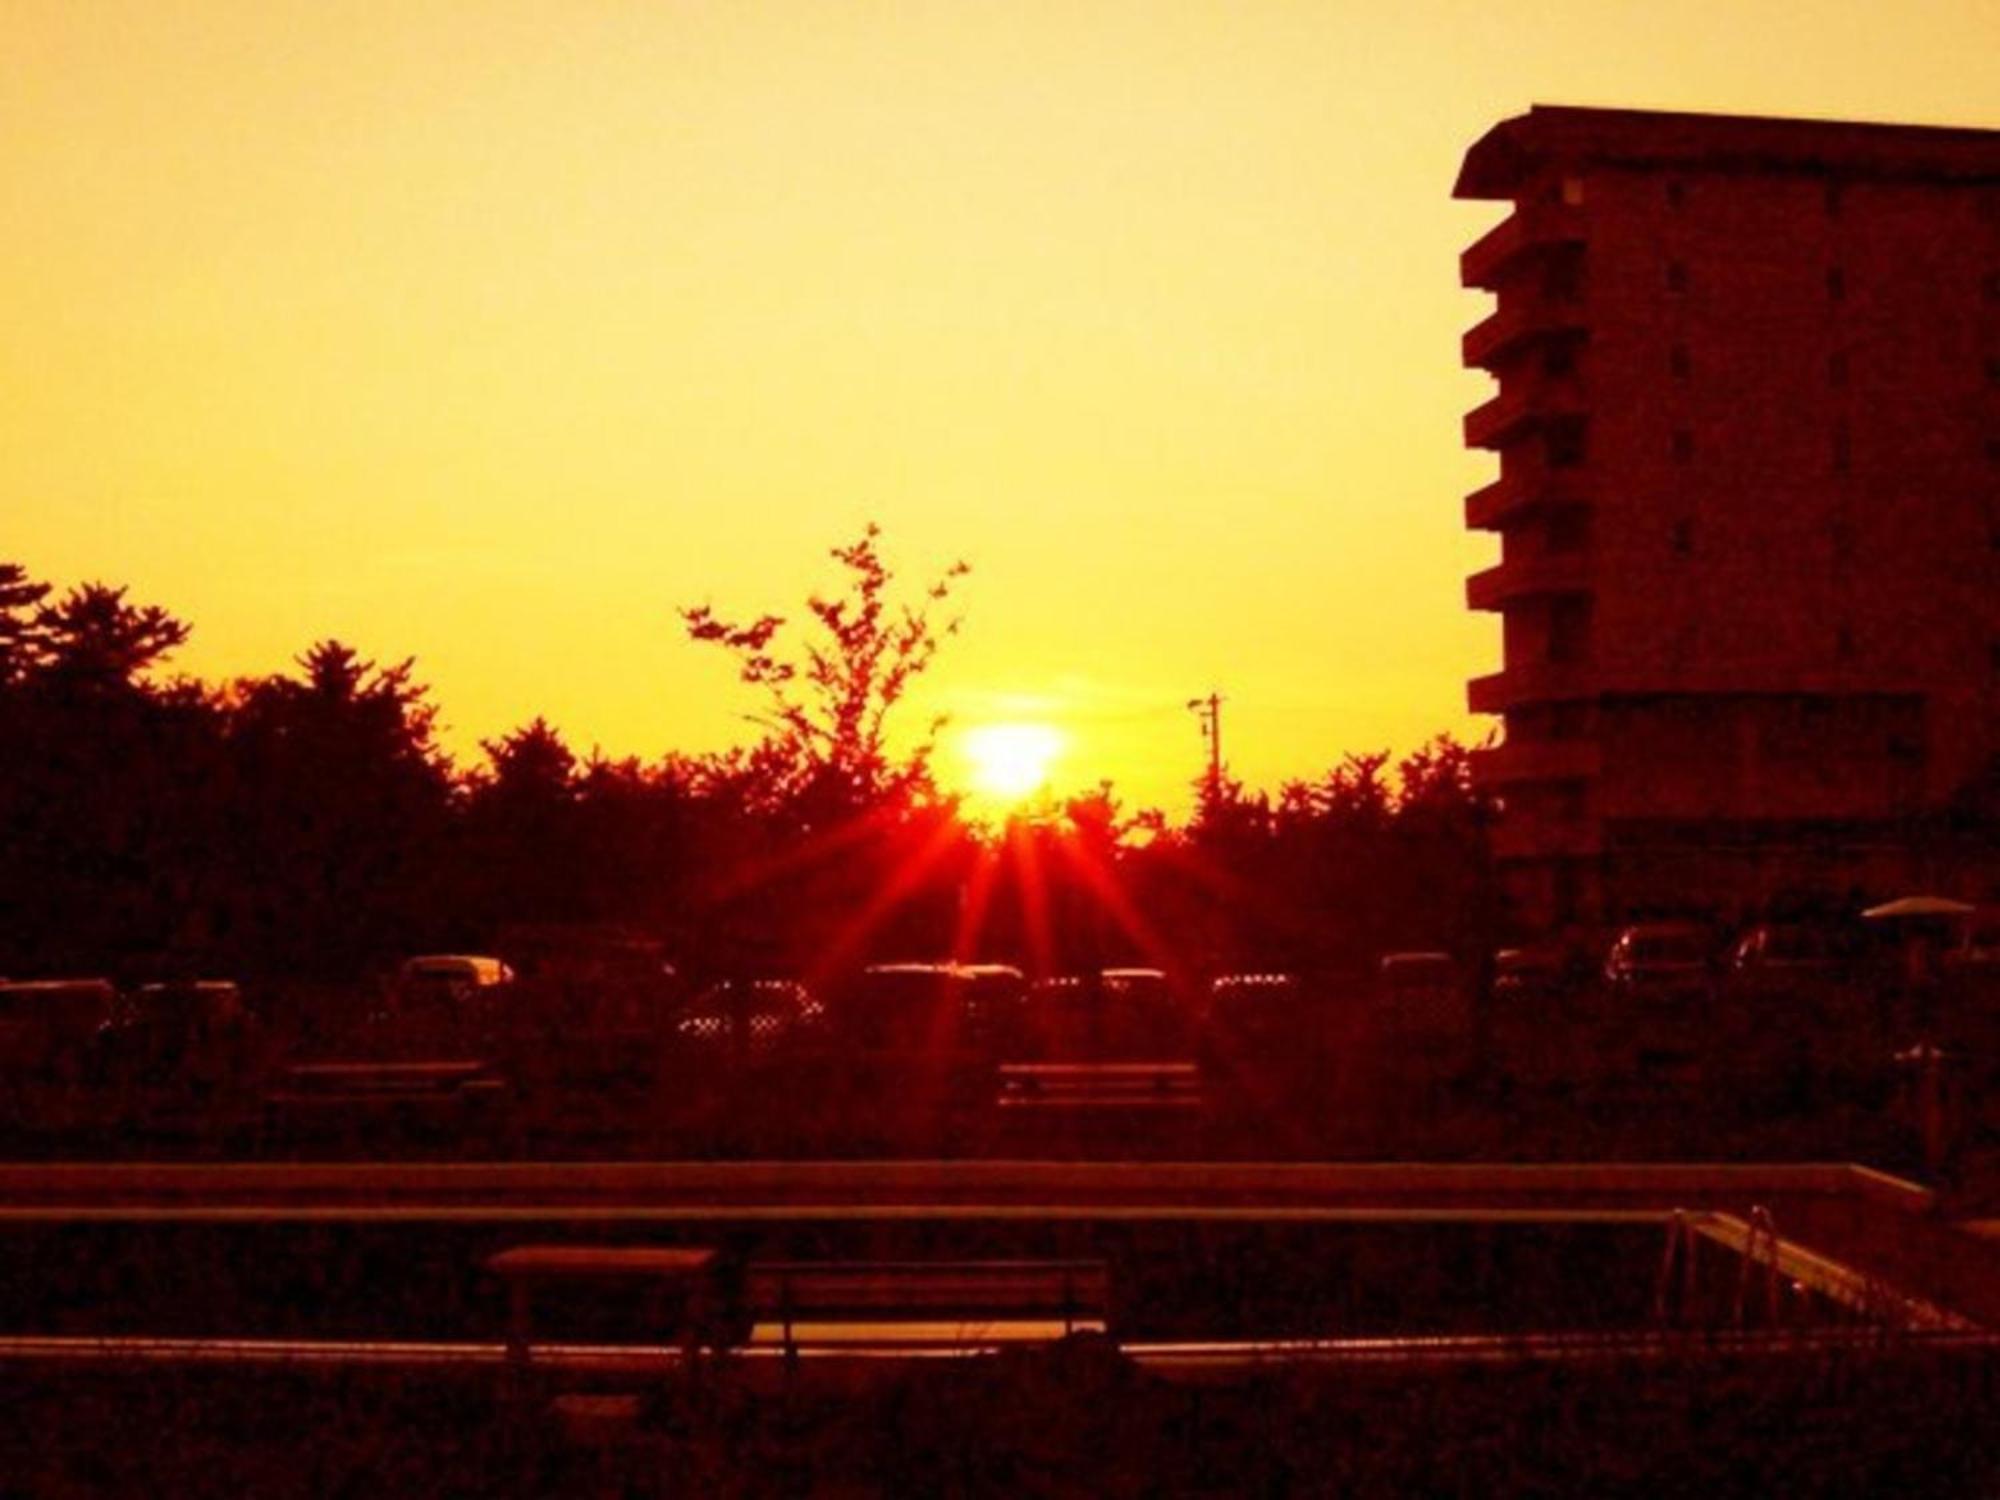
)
(307, 824)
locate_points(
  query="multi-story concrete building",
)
(1748, 425)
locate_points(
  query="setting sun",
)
(1006, 762)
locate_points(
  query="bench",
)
(682, 1277)
(447, 1092)
(1037, 1088)
(898, 1304)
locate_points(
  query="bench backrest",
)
(1162, 1085)
(797, 1291)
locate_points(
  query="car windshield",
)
(1665, 948)
(923, 1005)
(1797, 945)
(55, 1004)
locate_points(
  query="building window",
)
(1836, 283)
(1679, 363)
(1836, 368)
(1559, 359)
(1683, 446)
(1677, 276)
(1684, 537)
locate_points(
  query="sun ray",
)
(851, 941)
(974, 899)
(1032, 894)
(1102, 886)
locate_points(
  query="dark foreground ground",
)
(1707, 1397)
(1073, 1419)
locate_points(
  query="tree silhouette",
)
(532, 765)
(522, 819)
(828, 704)
(20, 632)
(344, 803)
(92, 641)
(106, 780)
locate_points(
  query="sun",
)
(1009, 762)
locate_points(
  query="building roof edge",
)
(1497, 163)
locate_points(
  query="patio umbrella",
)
(1919, 906)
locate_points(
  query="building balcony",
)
(1513, 496)
(1520, 408)
(1529, 230)
(1516, 324)
(1537, 760)
(1530, 577)
(1532, 682)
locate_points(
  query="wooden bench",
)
(958, 1304)
(1054, 1088)
(678, 1283)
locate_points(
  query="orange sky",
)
(490, 332)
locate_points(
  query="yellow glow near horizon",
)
(488, 332)
(1008, 763)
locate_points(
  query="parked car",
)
(1262, 1038)
(50, 1024)
(451, 997)
(1661, 960)
(49, 1032)
(1422, 1003)
(1528, 979)
(1254, 1015)
(1660, 993)
(747, 1061)
(745, 1022)
(919, 1044)
(587, 1026)
(1114, 1015)
(1541, 1016)
(1793, 1007)
(431, 1060)
(181, 1055)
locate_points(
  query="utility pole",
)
(1209, 711)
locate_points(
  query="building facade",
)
(1748, 502)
